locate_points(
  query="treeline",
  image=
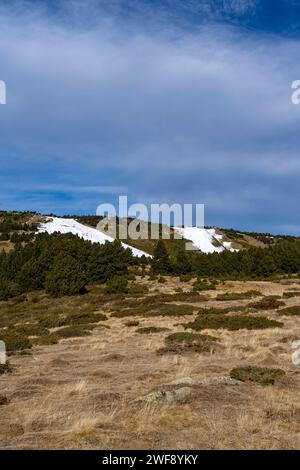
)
(60, 264)
(15, 229)
(63, 264)
(282, 258)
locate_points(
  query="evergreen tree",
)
(183, 263)
(66, 277)
(161, 261)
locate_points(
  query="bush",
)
(238, 295)
(53, 320)
(3, 400)
(15, 342)
(136, 289)
(201, 285)
(83, 318)
(47, 340)
(31, 330)
(8, 289)
(132, 323)
(117, 285)
(150, 329)
(290, 294)
(185, 277)
(66, 277)
(290, 311)
(267, 303)
(163, 310)
(231, 323)
(188, 342)
(73, 331)
(261, 375)
(5, 368)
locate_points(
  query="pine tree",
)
(161, 261)
(65, 277)
(182, 264)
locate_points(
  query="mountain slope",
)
(61, 225)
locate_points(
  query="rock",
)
(176, 394)
(169, 396)
(223, 380)
(183, 381)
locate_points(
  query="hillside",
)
(22, 226)
(108, 349)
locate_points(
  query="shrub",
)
(261, 375)
(238, 295)
(66, 277)
(132, 323)
(290, 294)
(223, 311)
(117, 285)
(3, 400)
(188, 338)
(290, 311)
(56, 320)
(53, 320)
(72, 331)
(267, 303)
(150, 329)
(83, 318)
(231, 323)
(201, 285)
(15, 342)
(164, 310)
(158, 299)
(136, 289)
(31, 330)
(5, 368)
(46, 340)
(188, 342)
(161, 280)
(8, 289)
(185, 277)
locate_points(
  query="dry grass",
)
(80, 392)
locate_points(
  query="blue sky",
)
(165, 101)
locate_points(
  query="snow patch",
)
(206, 240)
(58, 224)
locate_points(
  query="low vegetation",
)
(238, 322)
(3, 400)
(188, 342)
(290, 294)
(5, 368)
(73, 331)
(261, 375)
(15, 342)
(290, 311)
(271, 302)
(238, 295)
(150, 329)
(156, 310)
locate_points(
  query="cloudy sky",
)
(185, 101)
